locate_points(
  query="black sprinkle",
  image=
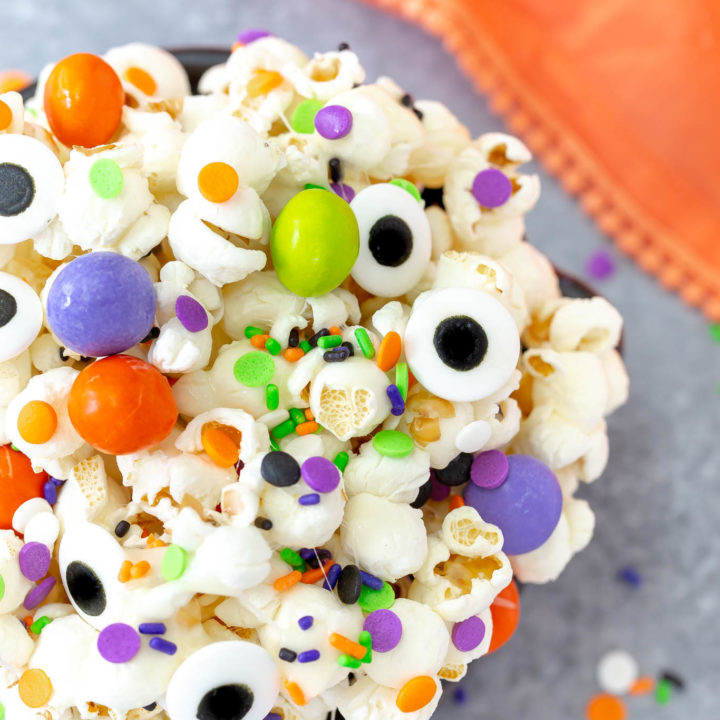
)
(433, 196)
(673, 679)
(343, 46)
(121, 529)
(150, 707)
(287, 655)
(263, 523)
(63, 356)
(85, 358)
(294, 338)
(351, 679)
(349, 584)
(312, 560)
(460, 342)
(336, 714)
(418, 113)
(17, 189)
(357, 85)
(154, 333)
(8, 307)
(338, 354)
(350, 348)
(85, 588)
(320, 333)
(457, 472)
(423, 495)
(390, 241)
(407, 100)
(336, 170)
(280, 469)
(226, 702)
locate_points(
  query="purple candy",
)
(251, 35)
(309, 499)
(101, 303)
(396, 400)
(308, 656)
(39, 593)
(163, 646)
(468, 634)
(526, 507)
(439, 491)
(332, 577)
(491, 188)
(385, 628)
(320, 474)
(118, 643)
(343, 190)
(191, 313)
(600, 265)
(489, 469)
(333, 122)
(34, 559)
(306, 622)
(374, 583)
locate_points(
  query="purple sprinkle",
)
(343, 190)
(600, 265)
(371, 581)
(191, 313)
(439, 491)
(273, 716)
(306, 553)
(320, 474)
(152, 628)
(34, 559)
(251, 35)
(385, 628)
(309, 499)
(333, 122)
(459, 696)
(163, 646)
(332, 577)
(396, 400)
(308, 656)
(306, 622)
(118, 643)
(489, 469)
(468, 634)
(491, 188)
(630, 576)
(39, 593)
(56, 482)
(50, 492)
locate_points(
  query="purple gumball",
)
(526, 507)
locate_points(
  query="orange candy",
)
(6, 116)
(505, 612)
(307, 428)
(389, 352)
(142, 80)
(293, 354)
(262, 82)
(605, 707)
(218, 182)
(415, 694)
(221, 448)
(83, 100)
(37, 422)
(121, 404)
(259, 341)
(18, 483)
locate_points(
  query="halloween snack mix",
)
(286, 397)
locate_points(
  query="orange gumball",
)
(83, 100)
(18, 483)
(505, 612)
(121, 404)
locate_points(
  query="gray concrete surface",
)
(657, 505)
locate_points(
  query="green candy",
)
(254, 368)
(393, 443)
(341, 461)
(39, 624)
(363, 340)
(106, 178)
(663, 691)
(315, 242)
(407, 185)
(348, 661)
(297, 416)
(274, 443)
(371, 600)
(272, 396)
(402, 379)
(173, 563)
(305, 346)
(329, 341)
(273, 346)
(293, 559)
(303, 117)
(251, 331)
(283, 429)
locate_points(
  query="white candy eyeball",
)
(461, 344)
(31, 185)
(224, 681)
(21, 316)
(395, 240)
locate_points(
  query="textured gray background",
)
(657, 505)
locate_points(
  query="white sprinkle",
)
(617, 671)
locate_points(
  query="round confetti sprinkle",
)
(605, 707)
(491, 188)
(218, 182)
(385, 628)
(468, 634)
(303, 117)
(393, 443)
(280, 469)
(333, 122)
(251, 35)
(617, 672)
(320, 474)
(106, 178)
(141, 79)
(191, 314)
(371, 600)
(34, 688)
(600, 265)
(254, 368)
(407, 185)
(37, 422)
(118, 643)
(489, 469)
(34, 559)
(173, 563)
(39, 593)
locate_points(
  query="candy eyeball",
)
(461, 344)
(395, 241)
(21, 316)
(224, 681)
(31, 186)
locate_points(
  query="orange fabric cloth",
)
(620, 99)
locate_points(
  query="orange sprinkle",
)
(258, 341)
(236, 45)
(643, 686)
(141, 79)
(389, 352)
(28, 620)
(37, 422)
(347, 646)
(140, 569)
(605, 707)
(6, 115)
(306, 428)
(456, 501)
(34, 688)
(335, 330)
(154, 542)
(416, 694)
(314, 574)
(287, 581)
(411, 378)
(124, 574)
(295, 693)
(309, 414)
(221, 448)
(262, 82)
(218, 182)
(293, 354)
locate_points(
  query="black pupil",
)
(226, 702)
(8, 307)
(17, 189)
(460, 342)
(85, 588)
(391, 241)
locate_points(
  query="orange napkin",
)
(621, 100)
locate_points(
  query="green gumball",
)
(315, 242)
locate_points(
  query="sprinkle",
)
(339, 355)
(336, 170)
(407, 185)
(191, 314)
(293, 338)
(34, 559)
(335, 330)
(491, 188)
(122, 528)
(50, 492)
(393, 443)
(273, 346)
(313, 341)
(350, 584)
(106, 178)
(468, 634)
(39, 624)
(673, 679)
(293, 354)
(489, 469)
(272, 396)
(140, 569)
(396, 400)
(251, 35)
(254, 369)
(305, 346)
(630, 576)
(34, 688)
(309, 499)
(218, 182)
(124, 572)
(118, 643)
(714, 330)
(341, 460)
(269, 716)
(313, 186)
(308, 656)
(385, 629)
(37, 422)
(459, 696)
(643, 686)
(371, 600)
(306, 622)
(307, 428)
(280, 469)
(287, 655)
(259, 341)
(663, 692)
(283, 429)
(309, 414)
(351, 350)
(162, 645)
(329, 341)
(152, 628)
(389, 351)
(600, 265)
(293, 559)
(310, 577)
(274, 443)
(38, 594)
(287, 581)
(605, 707)
(295, 693)
(616, 672)
(303, 117)
(416, 693)
(263, 523)
(141, 79)
(371, 581)
(333, 122)
(333, 574)
(251, 331)
(297, 416)
(222, 449)
(363, 340)
(402, 379)
(345, 191)
(150, 707)
(456, 501)
(320, 474)
(348, 661)
(174, 562)
(263, 82)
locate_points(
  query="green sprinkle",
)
(33, 112)
(2, 587)
(407, 185)
(365, 639)
(303, 117)
(106, 178)
(371, 600)
(313, 186)
(305, 346)
(272, 396)
(251, 331)
(329, 341)
(2, 707)
(254, 368)
(341, 461)
(173, 562)
(283, 429)
(402, 379)
(39, 624)
(297, 416)
(273, 346)
(293, 559)
(14, 447)
(274, 443)
(715, 332)
(364, 342)
(393, 443)
(349, 661)
(663, 691)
